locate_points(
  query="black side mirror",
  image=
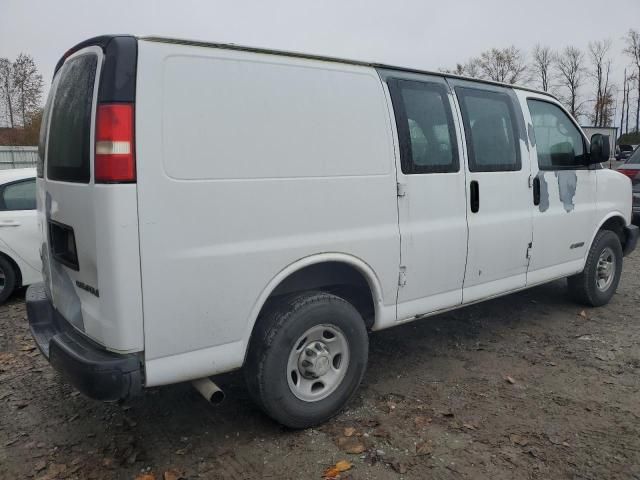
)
(600, 149)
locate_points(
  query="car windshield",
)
(635, 158)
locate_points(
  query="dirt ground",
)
(526, 386)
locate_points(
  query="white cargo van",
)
(208, 207)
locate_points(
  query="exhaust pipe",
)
(209, 390)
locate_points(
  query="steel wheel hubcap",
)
(3, 280)
(318, 363)
(606, 269)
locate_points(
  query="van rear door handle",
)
(9, 223)
(536, 191)
(474, 190)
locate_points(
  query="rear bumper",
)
(631, 233)
(96, 372)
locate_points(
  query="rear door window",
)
(19, 195)
(491, 130)
(69, 134)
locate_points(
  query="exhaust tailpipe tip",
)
(209, 390)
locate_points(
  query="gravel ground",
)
(527, 386)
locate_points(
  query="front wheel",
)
(306, 359)
(599, 280)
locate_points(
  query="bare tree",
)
(570, 68)
(27, 83)
(6, 91)
(505, 65)
(632, 79)
(469, 69)
(601, 68)
(541, 66)
(633, 51)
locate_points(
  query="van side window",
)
(425, 127)
(559, 143)
(491, 130)
(19, 195)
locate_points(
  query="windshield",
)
(635, 158)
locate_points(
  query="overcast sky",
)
(416, 33)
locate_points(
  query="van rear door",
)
(91, 252)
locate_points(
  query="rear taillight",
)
(629, 172)
(114, 153)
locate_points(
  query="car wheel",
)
(7, 279)
(306, 358)
(599, 280)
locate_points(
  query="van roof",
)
(232, 46)
(103, 40)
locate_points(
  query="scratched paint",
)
(544, 193)
(567, 184)
(67, 300)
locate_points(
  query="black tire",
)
(583, 287)
(272, 342)
(10, 279)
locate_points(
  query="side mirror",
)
(600, 149)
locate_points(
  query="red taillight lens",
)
(629, 172)
(114, 153)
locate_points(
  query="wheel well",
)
(16, 268)
(616, 225)
(338, 278)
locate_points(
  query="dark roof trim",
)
(231, 46)
(118, 77)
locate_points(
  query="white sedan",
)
(20, 263)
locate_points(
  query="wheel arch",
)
(615, 222)
(297, 272)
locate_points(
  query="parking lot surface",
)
(530, 385)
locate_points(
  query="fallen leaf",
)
(351, 445)
(509, 379)
(469, 426)
(399, 467)
(518, 439)
(583, 314)
(146, 476)
(172, 474)
(56, 469)
(424, 448)
(349, 431)
(335, 470)
(421, 421)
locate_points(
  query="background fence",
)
(18, 157)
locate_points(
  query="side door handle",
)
(474, 191)
(536, 191)
(9, 223)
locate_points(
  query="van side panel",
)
(246, 164)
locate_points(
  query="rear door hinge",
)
(530, 181)
(401, 189)
(402, 276)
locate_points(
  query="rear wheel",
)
(306, 359)
(7, 279)
(599, 280)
